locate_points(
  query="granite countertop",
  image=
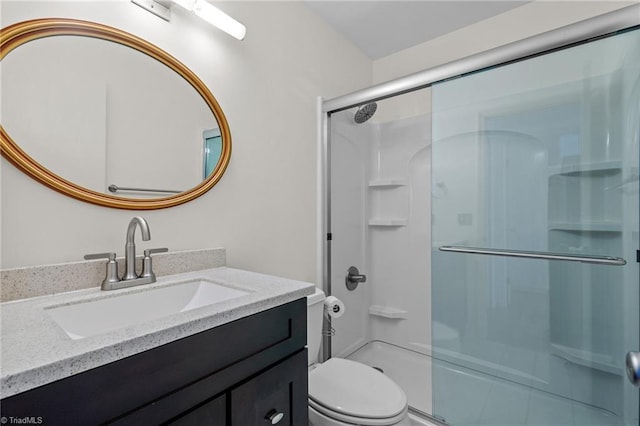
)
(36, 351)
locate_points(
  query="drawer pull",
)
(274, 417)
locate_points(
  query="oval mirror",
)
(106, 117)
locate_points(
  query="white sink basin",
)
(99, 316)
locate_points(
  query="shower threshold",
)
(482, 399)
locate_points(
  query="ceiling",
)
(380, 28)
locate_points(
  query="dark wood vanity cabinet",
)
(252, 371)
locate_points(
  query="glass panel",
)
(539, 155)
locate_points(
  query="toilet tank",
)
(315, 309)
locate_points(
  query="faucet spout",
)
(130, 247)
(144, 228)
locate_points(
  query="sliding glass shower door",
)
(534, 234)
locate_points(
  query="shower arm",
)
(601, 260)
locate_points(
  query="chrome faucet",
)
(130, 247)
(130, 277)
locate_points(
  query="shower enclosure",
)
(492, 204)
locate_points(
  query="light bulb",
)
(215, 17)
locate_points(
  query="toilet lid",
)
(355, 389)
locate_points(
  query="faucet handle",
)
(112, 268)
(149, 252)
(110, 256)
(147, 266)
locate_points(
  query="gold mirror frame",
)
(20, 33)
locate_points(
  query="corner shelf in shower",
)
(387, 312)
(589, 359)
(387, 183)
(587, 169)
(585, 211)
(388, 222)
(600, 226)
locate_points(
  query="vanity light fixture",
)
(214, 16)
(157, 8)
(202, 8)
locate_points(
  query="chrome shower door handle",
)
(353, 278)
(633, 368)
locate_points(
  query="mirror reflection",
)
(101, 114)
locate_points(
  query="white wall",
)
(264, 208)
(516, 24)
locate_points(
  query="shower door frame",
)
(626, 18)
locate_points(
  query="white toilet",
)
(344, 392)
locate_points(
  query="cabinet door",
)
(276, 396)
(211, 413)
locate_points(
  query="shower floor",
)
(482, 399)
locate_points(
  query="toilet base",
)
(318, 419)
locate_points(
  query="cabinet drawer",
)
(276, 396)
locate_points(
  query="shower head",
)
(365, 112)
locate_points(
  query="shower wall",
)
(380, 223)
(350, 144)
(399, 232)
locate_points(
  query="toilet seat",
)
(353, 420)
(355, 393)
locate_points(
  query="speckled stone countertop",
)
(33, 281)
(35, 350)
